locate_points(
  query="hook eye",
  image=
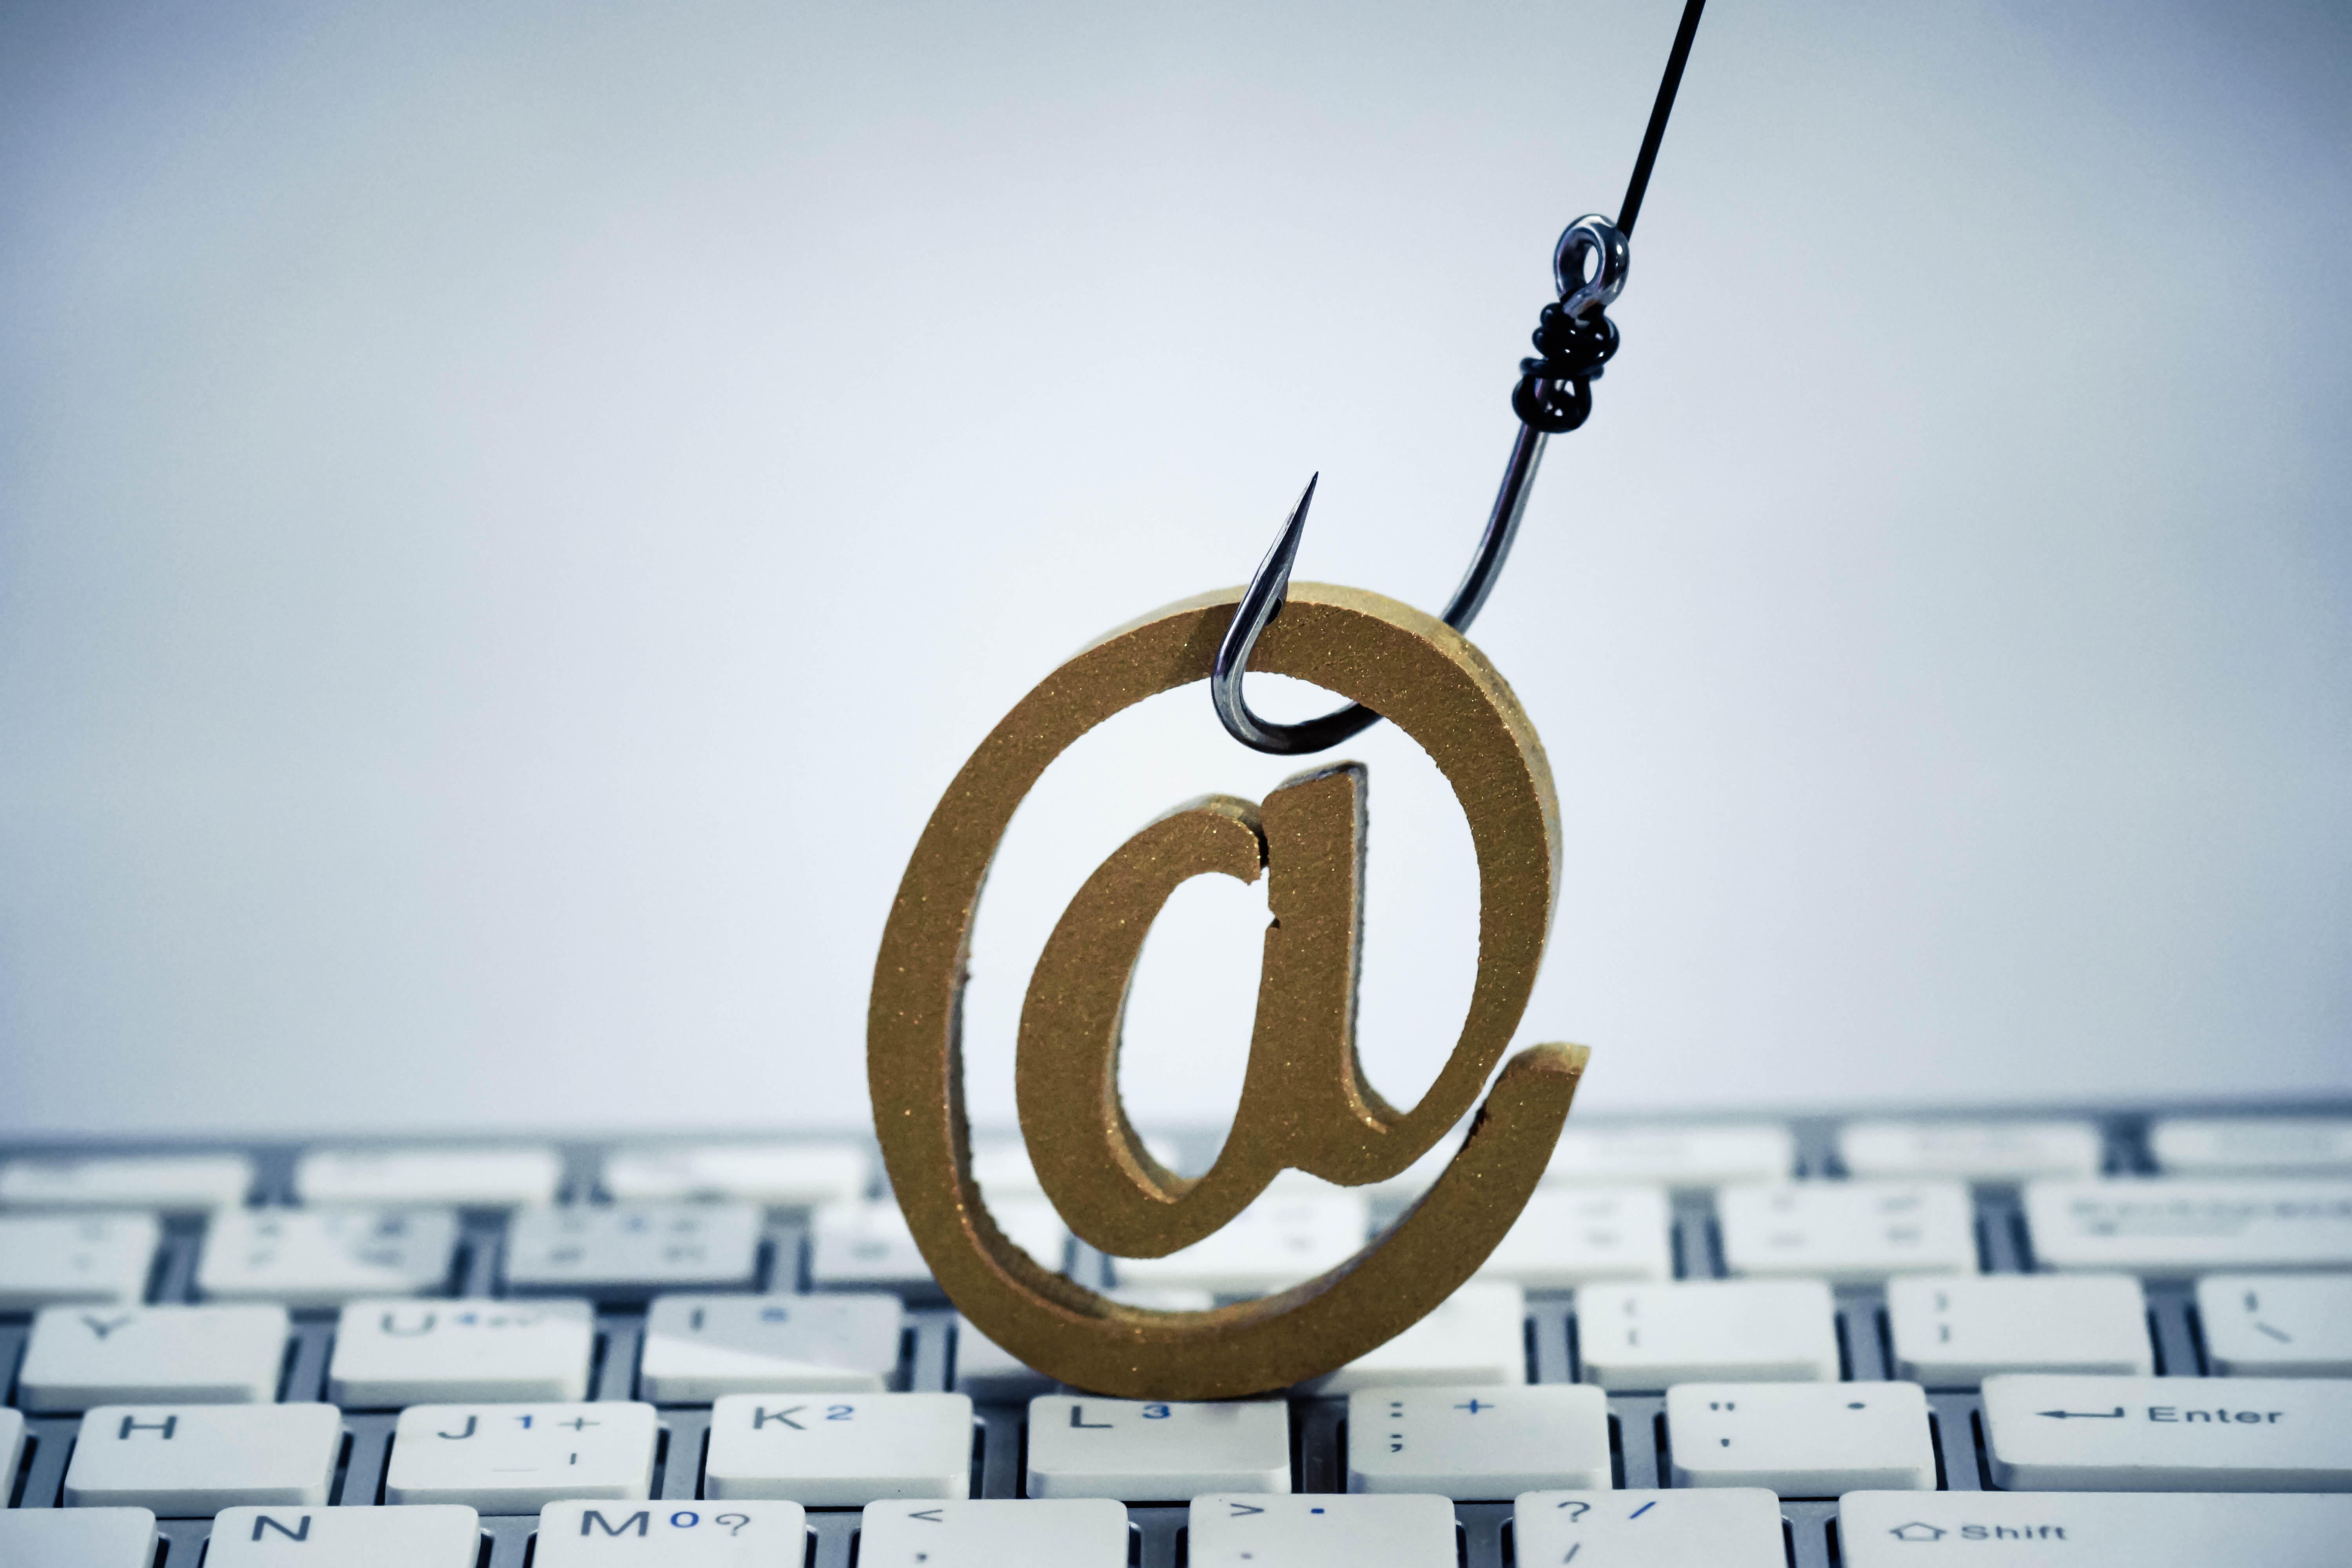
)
(1590, 234)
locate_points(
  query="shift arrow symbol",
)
(2114, 1415)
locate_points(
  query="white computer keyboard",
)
(2092, 1339)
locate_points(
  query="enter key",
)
(2170, 1434)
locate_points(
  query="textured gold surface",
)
(1305, 1103)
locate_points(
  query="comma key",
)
(50, 1259)
(186, 1461)
(1321, 1530)
(2277, 1325)
(674, 1535)
(81, 1356)
(439, 1537)
(839, 1450)
(518, 1459)
(1074, 1532)
(1716, 1527)
(77, 1537)
(2170, 1434)
(2011, 1530)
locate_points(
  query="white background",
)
(509, 517)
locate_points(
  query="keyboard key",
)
(2169, 1434)
(673, 1534)
(780, 1175)
(2253, 1145)
(457, 1178)
(629, 1251)
(1956, 1333)
(1478, 1335)
(323, 1258)
(1681, 1157)
(49, 1260)
(395, 1352)
(77, 1537)
(1321, 1530)
(1854, 1233)
(1074, 1533)
(2174, 1228)
(81, 1356)
(1567, 1237)
(867, 1246)
(1139, 1451)
(1277, 1242)
(1801, 1439)
(12, 1449)
(1971, 1150)
(175, 1184)
(840, 1450)
(699, 1348)
(1715, 1527)
(2274, 1325)
(1999, 1530)
(442, 1537)
(518, 1459)
(190, 1461)
(1474, 1443)
(1714, 1330)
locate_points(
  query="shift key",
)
(2170, 1434)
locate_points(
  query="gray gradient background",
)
(511, 516)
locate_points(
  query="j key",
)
(1474, 1443)
(175, 1184)
(1140, 1451)
(628, 1251)
(186, 1461)
(1719, 1330)
(1955, 1333)
(391, 1353)
(518, 1459)
(1848, 1232)
(461, 1178)
(1970, 1150)
(1712, 1527)
(323, 1258)
(49, 1259)
(1567, 1237)
(867, 1246)
(2253, 1145)
(673, 1535)
(77, 1537)
(2274, 1325)
(1681, 1157)
(1801, 1439)
(780, 1175)
(1321, 1530)
(2170, 1434)
(440, 1537)
(699, 1348)
(1076, 1532)
(2032, 1529)
(1477, 1335)
(81, 1356)
(1278, 1241)
(840, 1450)
(2172, 1228)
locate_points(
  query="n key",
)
(344, 1538)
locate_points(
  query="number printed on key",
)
(673, 1534)
(518, 1459)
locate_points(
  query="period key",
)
(2170, 1434)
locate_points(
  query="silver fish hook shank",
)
(1582, 300)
